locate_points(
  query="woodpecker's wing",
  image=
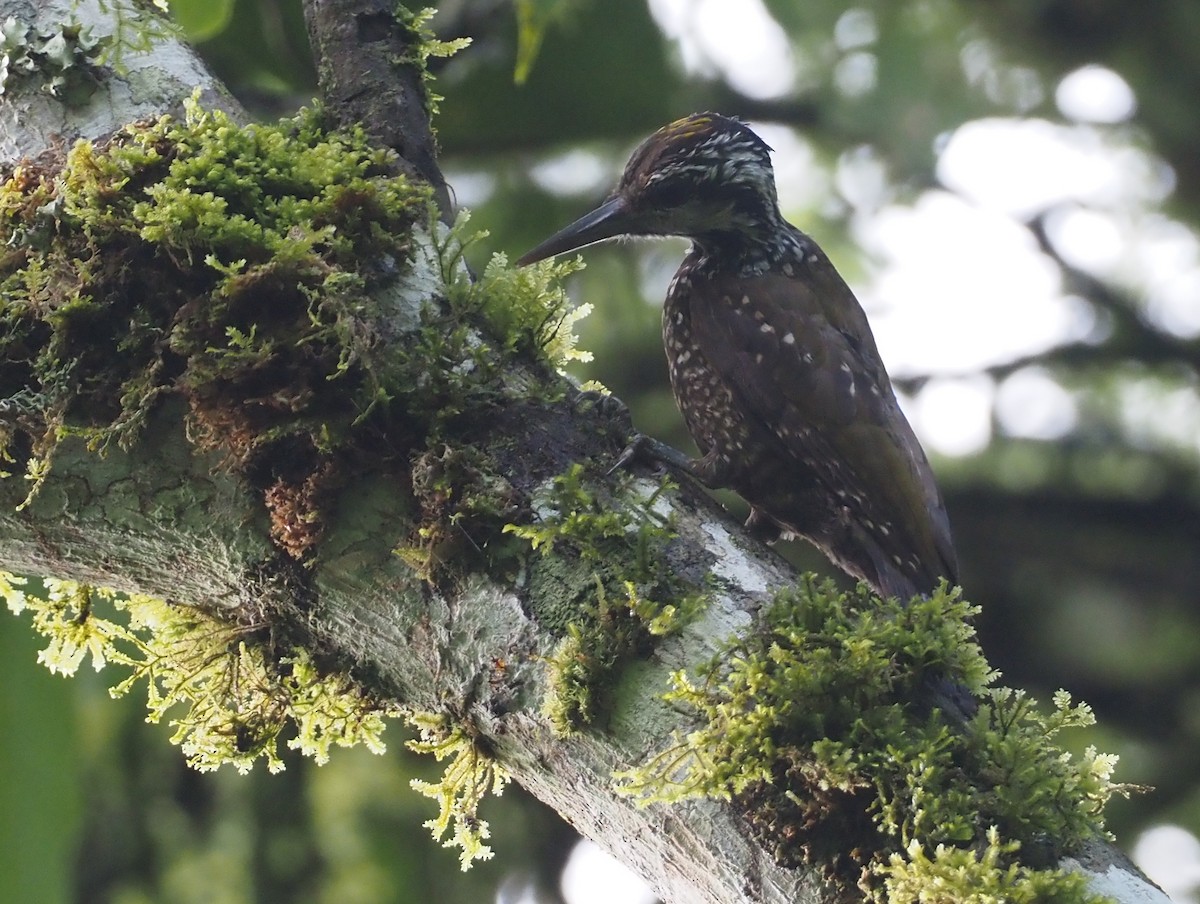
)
(798, 354)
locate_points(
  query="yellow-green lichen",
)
(230, 696)
(816, 727)
(469, 776)
(624, 599)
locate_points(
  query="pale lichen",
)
(62, 59)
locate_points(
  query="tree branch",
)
(371, 73)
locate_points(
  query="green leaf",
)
(202, 19)
(534, 17)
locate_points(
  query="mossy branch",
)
(812, 724)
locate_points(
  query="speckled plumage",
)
(772, 360)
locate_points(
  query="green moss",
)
(464, 504)
(230, 695)
(617, 597)
(604, 637)
(223, 264)
(247, 269)
(811, 727)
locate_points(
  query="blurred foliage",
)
(202, 19)
(1080, 544)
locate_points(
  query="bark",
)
(162, 519)
(369, 73)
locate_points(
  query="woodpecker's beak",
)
(610, 219)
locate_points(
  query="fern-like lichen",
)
(525, 308)
(228, 696)
(426, 46)
(469, 776)
(956, 875)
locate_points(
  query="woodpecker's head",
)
(706, 177)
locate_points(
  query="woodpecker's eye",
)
(669, 193)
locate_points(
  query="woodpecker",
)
(772, 361)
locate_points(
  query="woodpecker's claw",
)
(647, 449)
(764, 527)
(631, 453)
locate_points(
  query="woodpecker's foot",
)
(607, 405)
(764, 528)
(643, 448)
